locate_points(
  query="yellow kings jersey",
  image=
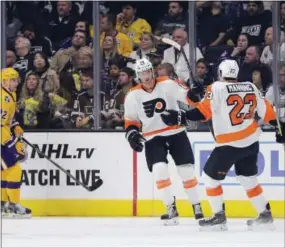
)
(124, 44)
(135, 29)
(232, 107)
(8, 108)
(143, 109)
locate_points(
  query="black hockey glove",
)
(280, 137)
(173, 117)
(136, 140)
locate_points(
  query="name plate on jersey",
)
(233, 88)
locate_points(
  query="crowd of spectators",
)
(52, 48)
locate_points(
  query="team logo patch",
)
(7, 99)
(157, 105)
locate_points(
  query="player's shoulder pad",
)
(135, 88)
(132, 91)
(163, 79)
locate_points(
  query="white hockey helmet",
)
(141, 66)
(228, 69)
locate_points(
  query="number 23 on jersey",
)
(236, 116)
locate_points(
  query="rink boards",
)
(128, 188)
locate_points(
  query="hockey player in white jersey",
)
(143, 106)
(232, 107)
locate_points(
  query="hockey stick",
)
(180, 49)
(94, 186)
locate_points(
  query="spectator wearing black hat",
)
(115, 111)
(39, 42)
(129, 23)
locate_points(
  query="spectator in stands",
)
(202, 79)
(109, 52)
(271, 96)
(110, 84)
(24, 60)
(115, 111)
(108, 26)
(212, 24)
(49, 80)
(261, 77)
(254, 23)
(267, 54)
(251, 61)
(31, 103)
(10, 58)
(83, 60)
(166, 70)
(82, 26)
(237, 53)
(146, 46)
(39, 42)
(282, 16)
(62, 60)
(13, 26)
(62, 24)
(62, 102)
(171, 21)
(128, 23)
(82, 111)
(174, 57)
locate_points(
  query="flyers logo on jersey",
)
(157, 105)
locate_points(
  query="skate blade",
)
(171, 222)
(215, 228)
(261, 227)
(17, 216)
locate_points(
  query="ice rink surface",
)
(132, 232)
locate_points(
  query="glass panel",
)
(64, 87)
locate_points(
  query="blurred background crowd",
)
(50, 43)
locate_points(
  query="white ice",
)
(132, 232)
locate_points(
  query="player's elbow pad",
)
(195, 115)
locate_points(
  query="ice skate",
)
(5, 211)
(264, 220)
(19, 212)
(218, 222)
(198, 213)
(171, 217)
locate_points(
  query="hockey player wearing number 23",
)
(143, 105)
(13, 150)
(232, 106)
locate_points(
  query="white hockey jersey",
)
(143, 109)
(232, 107)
